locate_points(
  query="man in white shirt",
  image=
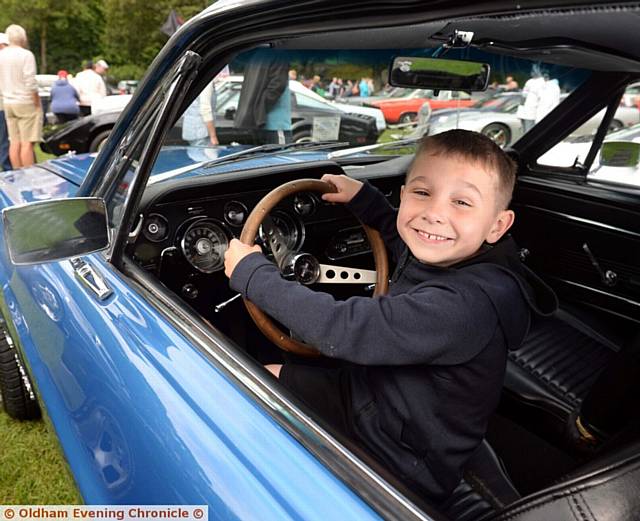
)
(90, 85)
(532, 92)
(22, 108)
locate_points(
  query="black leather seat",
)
(607, 488)
(484, 490)
(557, 364)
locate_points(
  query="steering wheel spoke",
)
(330, 274)
(303, 266)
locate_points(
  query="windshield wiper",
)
(260, 150)
(350, 151)
(271, 148)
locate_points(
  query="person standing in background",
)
(64, 99)
(363, 87)
(22, 108)
(5, 164)
(265, 98)
(532, 91)
(198, 125)
(90, 85)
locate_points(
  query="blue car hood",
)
(61, 177)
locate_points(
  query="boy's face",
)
(448, 208)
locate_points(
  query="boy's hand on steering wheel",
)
(235, 253)
(346, 188)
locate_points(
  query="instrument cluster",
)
(203, 236)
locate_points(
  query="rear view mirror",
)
(55, 230)
(620, 154)
(439, 74)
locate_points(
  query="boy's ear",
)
(401, 192)
(503, 222)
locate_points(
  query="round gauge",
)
(235, 213)
(204, 244)
(155, 228)
(305, 204)
(291, 228)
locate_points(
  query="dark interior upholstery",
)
(557, 364)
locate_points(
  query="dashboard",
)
(186, 226)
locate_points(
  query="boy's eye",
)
(460, 202)
(422, 193)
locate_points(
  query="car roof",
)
(577, 37)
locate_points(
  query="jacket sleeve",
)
(373, 209)
(278, 79)
(432, 325)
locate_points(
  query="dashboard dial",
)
(235, 213)
(155, 228)
(292, 230)
(305, 204)
(204, 244)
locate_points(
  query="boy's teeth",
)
(433, 237)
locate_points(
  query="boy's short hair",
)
(476, 148)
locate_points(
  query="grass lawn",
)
(32, 469)
(42, 156)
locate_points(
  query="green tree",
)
(60, 32)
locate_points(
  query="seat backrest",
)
(484, 490)
(607, 488)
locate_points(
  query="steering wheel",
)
(303, 266)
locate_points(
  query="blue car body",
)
(155, 402)
(121, 386)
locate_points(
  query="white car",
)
(117, 103)
(574, 150)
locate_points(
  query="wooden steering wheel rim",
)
(250, 231)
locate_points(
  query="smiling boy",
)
(426, 361)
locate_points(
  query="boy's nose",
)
(434, 213)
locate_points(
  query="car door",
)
(581, 235)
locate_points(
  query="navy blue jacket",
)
(429, 357)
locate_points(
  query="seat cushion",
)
(558, 362)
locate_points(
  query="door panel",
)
(556, 218)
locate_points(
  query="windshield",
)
(337, 98)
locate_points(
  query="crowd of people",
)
(338, 87)
(21, 113)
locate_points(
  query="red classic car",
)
(405, 109)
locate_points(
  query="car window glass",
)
(573, 150)
(342, 96)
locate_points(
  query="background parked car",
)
(405, 109)
(496, 118)
(573, 151)
(88, 134)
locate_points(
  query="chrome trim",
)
(342, 275)
(90, 278)
(239, 367)
(582, 220)
(606, 293)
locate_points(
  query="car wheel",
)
(498, 133)
(98, 142)
(615, 125)
(16, 391)
(408, 117)
(303, 136)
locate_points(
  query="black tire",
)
(16, 391)
(498, 133)
(408, 117)
(615, 125)
(98, 141)
(302, 136)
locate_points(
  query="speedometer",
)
(204, 244)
